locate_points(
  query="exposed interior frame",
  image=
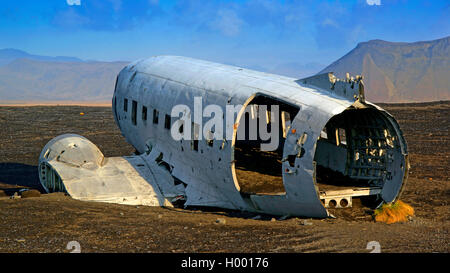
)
(256, 171)
(50, 179)
(354, 156)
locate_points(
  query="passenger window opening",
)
(195, 145)
(133, 112)
(195, 136)
(285, 122)
(167, 122)
(155, 116)
(125, 105)
(116, 115)
(144, 113)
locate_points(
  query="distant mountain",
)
(37, 80)
(393, 72)
(8, 55)
(399, 72)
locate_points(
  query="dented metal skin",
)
(207, 176)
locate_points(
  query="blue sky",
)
(255, 33)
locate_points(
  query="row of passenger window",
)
(167, 122)
(144, 114)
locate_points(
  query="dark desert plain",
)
(49, 222)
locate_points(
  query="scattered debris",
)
(273, 220)
(160, 216)
(20, 240)
(15, 196)
(257, 217)
(305, 223)
(221, 221)
(121, 214)
(284, 217)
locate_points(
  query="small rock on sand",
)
(221, 221)
(305, 223)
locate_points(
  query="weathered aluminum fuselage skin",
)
(165, 81)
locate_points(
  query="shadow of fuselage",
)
(16, 176)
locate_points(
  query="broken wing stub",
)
(72, 164)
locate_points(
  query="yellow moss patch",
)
(393, 213)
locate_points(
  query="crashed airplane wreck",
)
(333, 145)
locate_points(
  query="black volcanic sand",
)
(48, 223)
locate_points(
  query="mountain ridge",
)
(32, 80)
(399, 71)
(8, 55)
(394, 72)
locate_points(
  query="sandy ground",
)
(48, 223)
